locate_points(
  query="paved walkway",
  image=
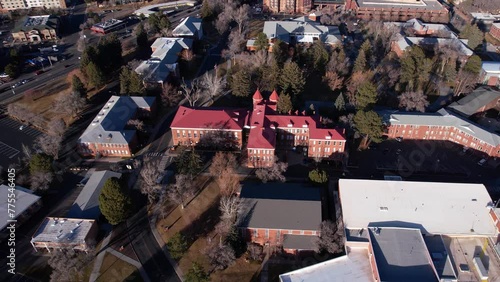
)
(100, 257)
(163, 246)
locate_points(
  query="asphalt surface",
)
(147, 249)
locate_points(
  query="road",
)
(147, 249)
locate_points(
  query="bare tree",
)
(241, 17)
(465, 82)
(138, 124)
(255, 60)
(223, 169)
(69, 104)
(68, 265)
(333, 80)
(225, 17)
(182, 190)
(229, 206)
(170, 95)
(235, 45)
(150, 174)
(275, 172)
(48, 144)
(254, 251)
(331, 237)
(41, 180)
(20, 113)
(192, 93)
(413, 101)
(56, 127)
(27, 153)
(212, 84)
(220, 256)
(187, 55)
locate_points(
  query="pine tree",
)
(124, 81)
(319, 56)
(369, 125)
(261, 43)
(141, 37)
(473, 64)
(340, 103)
(284, 104)
(292, 80)
(473, 34)
(40, 163)
(197, 274)
(78, 86)
(240, 84)
(366, 95)
(95, 75)
(115, 204)
(318, 176)
(360, 63)
(136, 87)
(206, 10)
(188, 163)
(177, 245)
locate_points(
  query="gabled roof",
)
(288, 206)
(24, 200)
(209, 118)
(109, 125)
(434, 208)
(471, 103)
(407, 41)
(491, 67)
(298, 242)
(190, 26)
(87, 204)
(301, 27)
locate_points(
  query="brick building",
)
(109, 134)
(495, 30)
(288, 6)
(443, 125)
(266, 130)
(280, 214)
(490, 73)
(21, 4)
(399, 10)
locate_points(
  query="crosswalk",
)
(8, 151)
(154, 154)
(28, 130)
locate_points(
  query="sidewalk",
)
(163, 246)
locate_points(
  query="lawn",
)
(255, 27)
(274, 271)
(114, 269)
(196, 222)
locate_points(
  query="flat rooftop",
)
(71, 231)
(24, 200)
(417, 4)
(434, 208)
(401, 255)
(353, 267)
(109, 23)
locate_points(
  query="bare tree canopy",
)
(229, 206)
(48, 144)
(150, 174)
(275, 172)
(181, 190)
(68, 265)
(56, 127)
(413, 101)
(223, 169)
(212, 84)
(193, 92)
(331, 238)
(41, 180)
(70, 104)
(220, 256)
(170, 95)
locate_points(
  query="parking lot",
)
(423, 160)
(12, 139)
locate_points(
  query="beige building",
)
(36, 29)
(26, 4)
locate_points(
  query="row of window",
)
(264, 158)
(195, 133)
(327, 149)
(278, 233)
(259, 151)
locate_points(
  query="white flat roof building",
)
(353, 267)
(455, 209)
(64, 233)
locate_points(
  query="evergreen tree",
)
(136, 87)
(340, 103)
(89, 55)
(78, 86)
(197, 273)
(115, 204)
(318, 176)
(360, 63)
(164, 22)
(109, 54)
(415, 68)
(473, 35)
(270, 76)
(177, 246)
(141, 37)
(12, 70)
(280, 52)
(241, 84)
(292, 80)
(367, 49)
(188, 163)
(124, 80)
(369, 125)
(95, 75)
(206, 11)
(284, 104)
(262, 43)
(366, 95)
(40, 163)
(473, 65)
(319, 56)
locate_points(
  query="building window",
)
(267, 233)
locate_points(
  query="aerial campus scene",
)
(250, 140)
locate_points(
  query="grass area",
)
(115, 269)
(274, 271)
(255, 27)
(196, 222)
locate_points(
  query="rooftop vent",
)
(99, 136)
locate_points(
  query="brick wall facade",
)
(273, 237)
(495, 31)
(450, 133)
(192, 136)
(288, 6)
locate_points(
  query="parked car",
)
(21, 127)
(3, 75)
(481, 162)
(399, 139)
(39, 72)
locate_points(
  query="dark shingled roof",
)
(471, 103)
(280, 206)
(298, 242)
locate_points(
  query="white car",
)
(3, 75)
(481, 162)
(21, 127)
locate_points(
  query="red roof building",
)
(267, 131)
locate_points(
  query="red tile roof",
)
(209, 118)
(261, 138)
(257, 96)
(274, 96)
(324, 133)
(294, 121)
